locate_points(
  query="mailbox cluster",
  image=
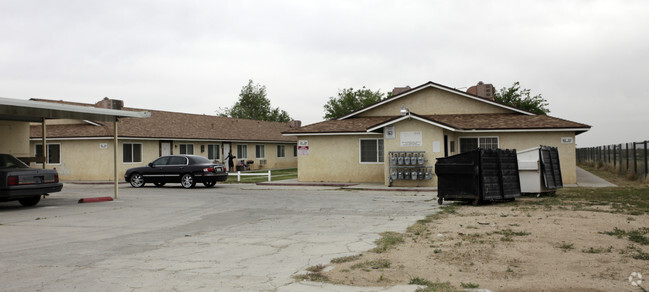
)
(409, 165)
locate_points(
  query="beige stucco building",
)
(432, 121)
(82, 150)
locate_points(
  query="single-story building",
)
(424, 123)
(82, 149)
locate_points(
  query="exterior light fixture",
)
(404, 110)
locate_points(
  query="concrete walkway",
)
(587, 179)
(349, 186)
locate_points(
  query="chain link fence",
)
(627, 158)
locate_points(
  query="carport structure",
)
(29, 111)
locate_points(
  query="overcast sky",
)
(589, 59)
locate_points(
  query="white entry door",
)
(165, 148)
(226, 150)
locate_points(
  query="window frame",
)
(132, 156)
(180, 148)
(380, 151)
(216, 149)
(459, 141)
(243, 146)
(48, 153)
(281, 153)
(263, 151)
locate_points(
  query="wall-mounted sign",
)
(303, 147)
(437, 147)
(388, 133)
(410, 139)
(103, 146)
(567, 140)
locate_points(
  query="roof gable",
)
(443, 88)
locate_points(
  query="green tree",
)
(520, 98)
(254, 105)
(349, 101)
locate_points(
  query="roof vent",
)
(295, 124)
(110, 103)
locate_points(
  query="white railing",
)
(239, 174)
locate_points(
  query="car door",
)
(155, 171)
(175, 167)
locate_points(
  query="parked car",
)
(184, 169)
(19, 182)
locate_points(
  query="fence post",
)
(646, 167)
(627, 156)
(635, 160)
(269, 175)
(614, 157)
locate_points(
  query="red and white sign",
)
(303, 147)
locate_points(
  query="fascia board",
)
(331, 134)
(524, 130)
(411, 117)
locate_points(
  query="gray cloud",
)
(586, 57)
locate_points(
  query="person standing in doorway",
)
(230, 160)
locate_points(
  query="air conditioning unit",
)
(262, 162)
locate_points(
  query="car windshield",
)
(201, 160)
(8, 161)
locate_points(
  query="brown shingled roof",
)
(457, 122)
(170, 125)
(360, 124)
(504, 122)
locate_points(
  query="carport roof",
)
(34, 111)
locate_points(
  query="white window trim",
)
(193, 148)
(141, 153)
(237, 155)
(277, 148)
(218, 153)
(257, 152)
(459, 144)
(48, 154)
(377, 145)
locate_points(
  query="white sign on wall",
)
(410, 139)
(303, 147)
(103, 146)
(436, 147)
(566, 140)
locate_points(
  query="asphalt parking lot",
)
(228, 238)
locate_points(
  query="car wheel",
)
(31, 201)
(187, 181)
(209, 184)
(159, 184)
(137, 180)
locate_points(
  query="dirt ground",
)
(518, 246)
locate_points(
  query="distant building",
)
(83, 149)
(427, 121)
